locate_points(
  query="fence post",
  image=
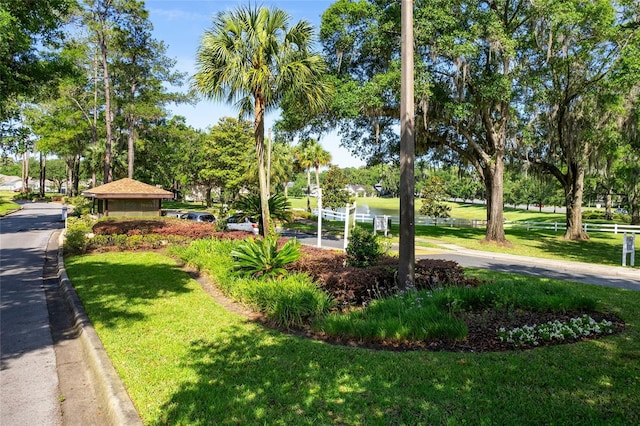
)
(319, 243)
(346, 227)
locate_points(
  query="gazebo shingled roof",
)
(126, 188)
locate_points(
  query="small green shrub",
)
(81, 205)
(76, 240)
(593, 215)
(406, 317)
(261, 258)
(290, 302)
(364, 248)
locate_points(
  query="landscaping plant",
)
(364, 247)
(262, 258)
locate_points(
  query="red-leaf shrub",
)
(354, 286)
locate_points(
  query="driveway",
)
(43, 377)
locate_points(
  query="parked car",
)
(199, 217)
(621, 211)
(241, 223)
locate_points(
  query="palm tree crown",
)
(252, 58)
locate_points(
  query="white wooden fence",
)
(481, 223)
(587, 227)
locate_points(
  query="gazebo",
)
(127, 197)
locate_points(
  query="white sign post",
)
(319, 243)
(381, 223)
(347, 213)
(628, 247)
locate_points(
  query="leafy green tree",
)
(29, 36)
(282, 165)
(227, 155)
(433, 196)
(334, 194)
(253, 58)
(574, 51)
(170, 153)
(57, 172)
(140, 71)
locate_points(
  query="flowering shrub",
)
(555, 330)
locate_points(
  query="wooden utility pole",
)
(407, 255)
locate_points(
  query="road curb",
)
(108, 387)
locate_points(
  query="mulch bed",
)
(328, 269)
(354, 287)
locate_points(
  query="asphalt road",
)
(43, 377)
(586, 273)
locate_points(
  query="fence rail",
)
(587, 227)
(481, 223)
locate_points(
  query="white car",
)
(240, 223)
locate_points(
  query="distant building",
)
(127, 197)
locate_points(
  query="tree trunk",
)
(76, 175)
(208, 196)
(258, 132)
(43, 173)
(573, 195)
(130, 146)
(494, 175)
(108, 172)
(25, 172)
(635, 212)
(317, 177)
(607, 208)
(309, 191)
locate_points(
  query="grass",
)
(7, 205)
(425, 315)
(391, 207)
(602, 247)
(186, 360)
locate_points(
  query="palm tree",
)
(320, 158)
(252, 58)
(304, 159)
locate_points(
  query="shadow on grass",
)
(249, 377)
(595, 250)
(111, 291)
(599, 249)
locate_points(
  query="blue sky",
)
(181, 23)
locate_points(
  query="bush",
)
(76, 240)
(289, 302)
(364, 248)
(81, 206)
(593, 215)
(353, 286)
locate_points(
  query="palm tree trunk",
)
(258, 128)
(309, 190)
(317, 177)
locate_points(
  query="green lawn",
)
(186, 360)
(6, 203)
(602, 247)
(391, 206)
